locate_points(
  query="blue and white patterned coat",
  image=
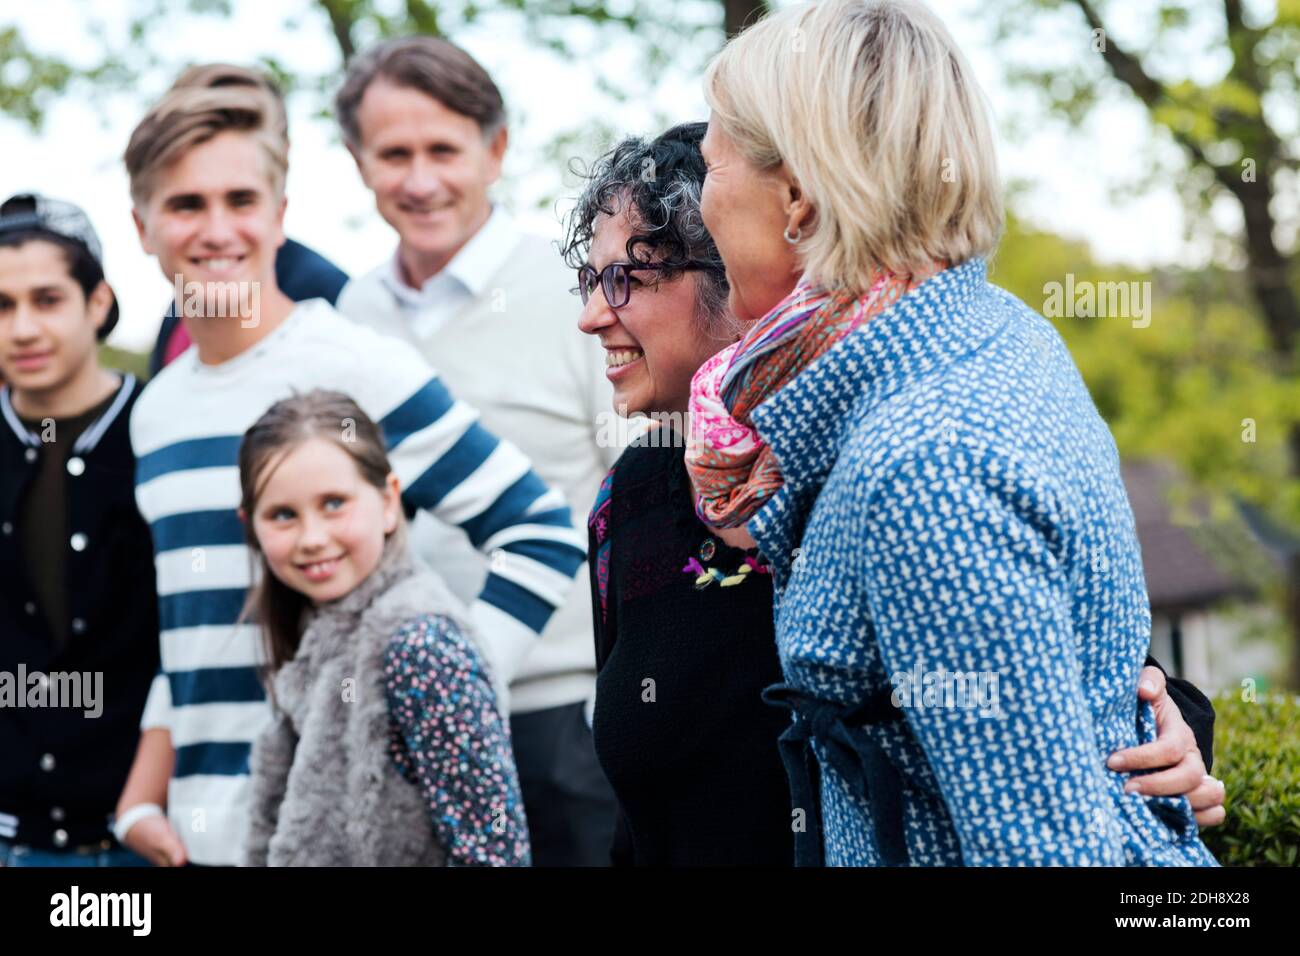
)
(955, 501)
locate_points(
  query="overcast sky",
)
(77, 155)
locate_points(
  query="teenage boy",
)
(78, 613)
(207, 171)
(301, 272)
(491, 308)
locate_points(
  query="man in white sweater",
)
(491, 309)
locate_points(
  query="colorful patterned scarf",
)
(733, 471)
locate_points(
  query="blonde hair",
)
(189, 116)
(876, 114)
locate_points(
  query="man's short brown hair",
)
(189, 116)
(440, 69)
(218, 75)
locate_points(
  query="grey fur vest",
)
(325, 790)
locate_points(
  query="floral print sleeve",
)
(451, 741)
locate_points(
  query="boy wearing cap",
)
(207, 170)
(78, 648)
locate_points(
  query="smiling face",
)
(47, 326)
(429, 168)
(319, 524)
(214, 216)
(654, 344)
(747, 211)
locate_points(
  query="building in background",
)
(1207, 575)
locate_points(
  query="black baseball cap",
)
(30, 212)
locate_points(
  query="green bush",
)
(1257, 756)
(137, 362)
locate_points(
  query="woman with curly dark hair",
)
(684, 640)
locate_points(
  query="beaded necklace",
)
(705, 576)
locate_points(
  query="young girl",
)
(386, 747)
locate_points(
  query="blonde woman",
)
(961, 612)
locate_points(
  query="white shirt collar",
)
(473, 267)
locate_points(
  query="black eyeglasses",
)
(616, 279)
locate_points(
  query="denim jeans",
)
(13, 855)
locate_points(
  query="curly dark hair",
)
(659, 182)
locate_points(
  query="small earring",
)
(798, 234)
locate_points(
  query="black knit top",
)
(681, 732)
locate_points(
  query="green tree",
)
(676, 35)
(422, 16)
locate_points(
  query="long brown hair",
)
(288, 423)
